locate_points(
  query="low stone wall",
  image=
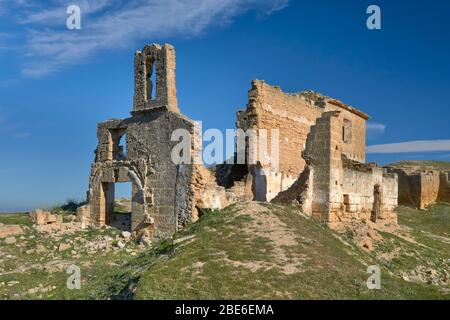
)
(422, 189)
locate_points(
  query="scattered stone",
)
(120, 244)
(8, 230)
(126, 234)
(40, 248)
(12, 283)
(41, 289)
(183, 239)
(42, 217)
(64, 246)
(83, 214)
(10, 240)
(146, 241)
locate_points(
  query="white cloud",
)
(10, 129)
(115, 24)
(8, 83)
(21, 135)
(56, 16)
(411, 146)
(375, 130)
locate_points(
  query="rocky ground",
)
(34, 258)
(249, 250)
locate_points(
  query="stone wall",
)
(361, 185)
(336, 189)
(160, 60)
(420, 189)
(429, 186)
(161, 190)
(138, 150)
(166, 196)
(444, 187)
(294, 114)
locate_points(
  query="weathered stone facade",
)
(163, 193)
(294, 114)
(336, 189)
(321, 157)
(420, 189)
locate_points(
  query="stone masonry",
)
(163, 193)
(321, 157)
(422, 188)
(294, 114)
(336, 189)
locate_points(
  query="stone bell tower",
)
(160, 60)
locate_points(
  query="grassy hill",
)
(264, 251)
(421, 165)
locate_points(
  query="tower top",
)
(159, 60)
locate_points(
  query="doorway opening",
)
(118, 205)
(376, 203)
(347, 202)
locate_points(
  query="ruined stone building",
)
(420, 188)
(294, 114)
(162, 192)
(321, 157)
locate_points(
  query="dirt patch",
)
(363, 233)
(9, 230)
(266, 224)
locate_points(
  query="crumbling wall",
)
(293, 115)
(158, 59)
(269, 108)
(389, 196)
(420, 189)
(429, 186)
(363, 184)
(444, 186)
(409, 188)
(166, 195)
(335, 189)
(163, 195)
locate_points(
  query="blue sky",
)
(56, 84)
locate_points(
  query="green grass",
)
(331, 270)
(231, 255)
(16, 218)
(436, 219)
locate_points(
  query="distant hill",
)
(421, 165)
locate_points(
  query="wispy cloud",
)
(3, 39)
(277, 6)
(115, 24)
(375, 130)
(9, 129)
(56, 16)
(8, 83)
(21, 135)
(411, 146)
